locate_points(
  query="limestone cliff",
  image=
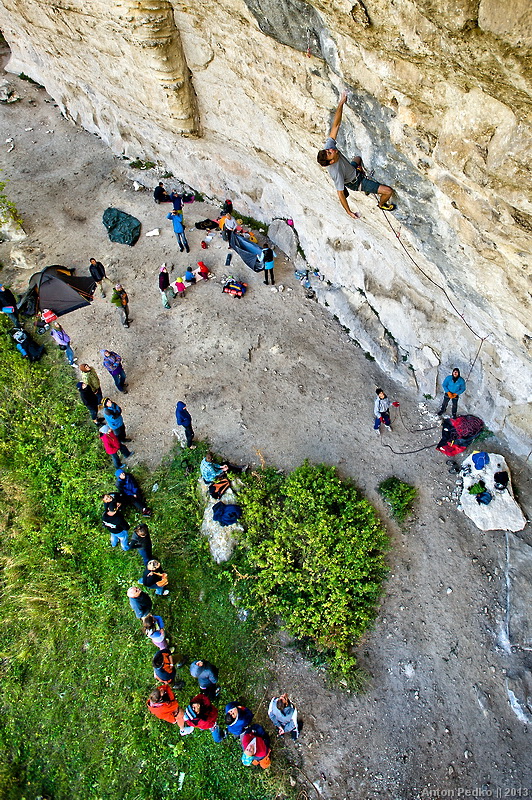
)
(236, 98)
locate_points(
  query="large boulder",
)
(503, 512)
(222, 540)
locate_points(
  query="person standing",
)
(155, 578)
(97, 271)
(229, 228)
(111, 445)
(237, 718)
(139, 601)
(283, 714)
(113, 364)
(268, 257)
(121, 301)
(130, 491)
(256, 747)
(179, 230)
(184, 419)
(141, 541)
(153, 628)
(89, 400)
(207, 676)
(112, 414)
(381, 411)
(165, 289)
(91, 379)
(163, 705)
(114, 521)
(62, 339)
(200, 713)
(453, 386)
(177, 202)
(8, 304)
(163, 666)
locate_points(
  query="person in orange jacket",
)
(163, 705)
(111, 445)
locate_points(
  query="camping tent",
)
(58, 289)
(248, 252)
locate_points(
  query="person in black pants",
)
(184, 419)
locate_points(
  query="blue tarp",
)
(248, 252)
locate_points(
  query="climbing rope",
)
(408, 452)
(415, 430)
(397, 234)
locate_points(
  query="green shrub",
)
(313, 554)
(75, 670)
(399, 495)
(139, 164)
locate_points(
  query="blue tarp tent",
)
(248, 252)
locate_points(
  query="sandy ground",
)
(273, 375)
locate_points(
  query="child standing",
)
(153, 627)
(268, 256)
(180, 287)
(381, 410)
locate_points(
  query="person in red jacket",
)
(163, 705)
(202, 714)
(112, 445)
(255, 746)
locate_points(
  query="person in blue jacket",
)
(207, 677)
(131, 492)
(179, 230)
(113, 417)
(183, 418)
(237, 718)
(453, 386)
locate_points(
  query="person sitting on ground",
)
(453, 386)
(203, 271)
(256, 747)
(163, 666)
(200, 713)
(160, 195)
(189, 276)
(139, 601)
(350, 174)
(210, 471)
(155, 578)
(207, 675)
(131, 492)
(283, 714)
(237, 718)
(163, 705)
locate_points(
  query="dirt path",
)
(274, 374)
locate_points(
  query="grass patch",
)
(399, 495)
(139, 164)
(75, 670)
(313, 555)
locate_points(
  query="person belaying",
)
(453, 386)
(350, 174)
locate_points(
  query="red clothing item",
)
(165, 709)
(110, 442)
(261, 749)
(207, 716)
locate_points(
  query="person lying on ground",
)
(349, 174)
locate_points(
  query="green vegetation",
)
(24, 77)
(313, 554)
(251, 222)
(139, 164)
(167, 175)
(75, 670)
(399, 495)
(8, 209)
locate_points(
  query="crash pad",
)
(121, 227)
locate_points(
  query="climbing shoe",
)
(388, 206)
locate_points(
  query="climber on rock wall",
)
(350, 174)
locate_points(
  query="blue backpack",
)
(480, 460)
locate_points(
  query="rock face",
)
(237, 98)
